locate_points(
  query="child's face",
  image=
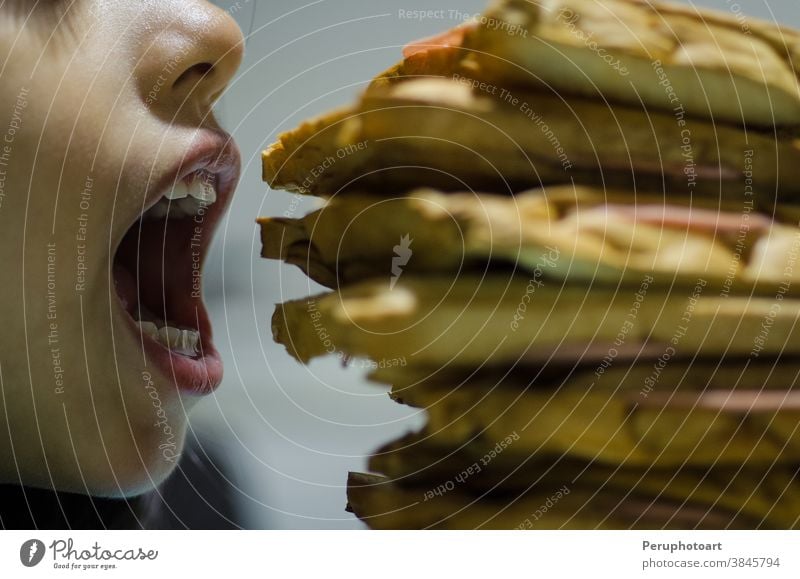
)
(104, 109)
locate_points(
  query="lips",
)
(158, 265)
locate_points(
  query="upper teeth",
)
(202, 190)
(186, 198)
(179, 191)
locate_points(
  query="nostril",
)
(194, 74)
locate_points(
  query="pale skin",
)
(99, 100)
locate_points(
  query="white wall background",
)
(290, 433)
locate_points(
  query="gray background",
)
(289, 434)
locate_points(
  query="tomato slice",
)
(453, 37)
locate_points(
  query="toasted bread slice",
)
(660, 423)
(581, 496)
(599, 237)
(467, 320)
(443, 133)
(670, 57)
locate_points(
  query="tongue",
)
(162, 259)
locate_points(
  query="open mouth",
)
(158, 276)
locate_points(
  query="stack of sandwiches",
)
(569, 232)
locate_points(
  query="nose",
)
(192, 59)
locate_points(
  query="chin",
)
(136, 474)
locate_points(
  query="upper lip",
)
(215, 152)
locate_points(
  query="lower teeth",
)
(184, 342)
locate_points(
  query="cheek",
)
(79, 159)
(71, 345)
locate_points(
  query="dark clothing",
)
(196, 496)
